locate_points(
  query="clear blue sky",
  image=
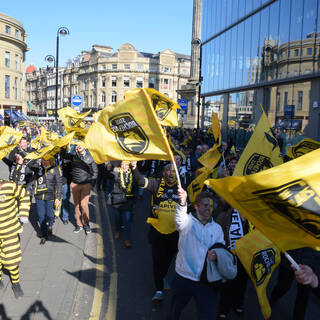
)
(149, 25)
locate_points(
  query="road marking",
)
(98, 291)
(113, 290)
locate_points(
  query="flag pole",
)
(177, 172)
(292, 261)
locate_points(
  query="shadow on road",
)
(88, 276)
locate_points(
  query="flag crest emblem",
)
(261, 265)
(129, 134)
(161, 107)
(257, 162)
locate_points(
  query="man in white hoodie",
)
(197, 234)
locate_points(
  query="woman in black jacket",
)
(83, 177)
(48, 193)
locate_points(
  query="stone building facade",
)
(12, 57)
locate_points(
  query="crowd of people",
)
(191, 235)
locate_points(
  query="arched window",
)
(114, 97)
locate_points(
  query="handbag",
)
(118, 198)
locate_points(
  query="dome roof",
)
(31, 68)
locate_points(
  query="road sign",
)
(76, 101)
(289, 111)
(183, 103)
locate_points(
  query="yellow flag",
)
(282, 202)
(259, 256)
(165, 108)
(211, 158)
(49, 151)
(71, 118)
(128, 130)
(9, 139)
(304, 146)
(261, 152)
(47, 137)
(216, 130)
(196, 186)
(35, 143)
(182, 155)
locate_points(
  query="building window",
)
(7, 87)
(289, 52)
(126, 66)
(7, 59)
(166, 69)
(16, 88)
(309, 51)
(114, 66)
(16, 33)
(307, 71)
(300, 100)
(278, 101)
(165, 83)
(295, 73)
(285, 98)
(126, 82)
(153, 68)
(113, 81)
(113, 97)
(152, 82)
(16, 62)
(296, 52)
(8, 29)
(103, 82)
(139, 83)
(140, 66)
(103, 98)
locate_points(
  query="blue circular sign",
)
(76, 101)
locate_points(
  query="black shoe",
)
(87, 229)
(65, 222)
(16, 288)
(77, 229)
(43, 240)
(1, 285)
(50, 231)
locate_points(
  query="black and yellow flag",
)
(9, 139)
(216, 129)
(165, 108)
(71, 119)
(259, 256)
(128, 130)
(282, 202)
(302, 147)
(262, 151)
(197, 184)
(49, 151)
(176, 150)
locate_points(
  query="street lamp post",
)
(63, 31)
(50, 58)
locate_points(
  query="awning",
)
(11, 114)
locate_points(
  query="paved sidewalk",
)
(48, 274)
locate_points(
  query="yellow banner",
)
(128, 130)
(48, 137)
(304, 146)
(182, 155)
(49, 151)
(165, 108)
(260, 257)
(262, 151)
(211, 158)
(196, 186)
(9, 139)
(71, 118)
(216, 130)
(282, 202)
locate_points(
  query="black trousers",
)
(285, 279)
(233, 291)
(164, 249)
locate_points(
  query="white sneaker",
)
(158, 296)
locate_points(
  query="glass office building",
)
(262, 52)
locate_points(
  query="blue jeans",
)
(45, 214)
(204, 294)
(125, 217)
(65, 208)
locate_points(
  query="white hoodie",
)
(195, 239)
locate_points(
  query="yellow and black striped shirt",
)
(14, 202)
